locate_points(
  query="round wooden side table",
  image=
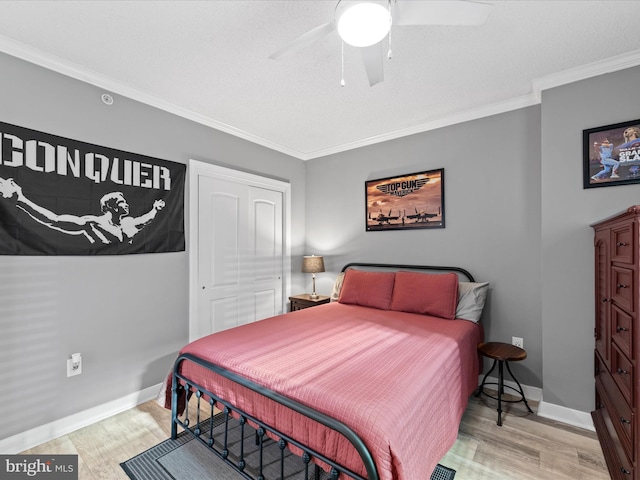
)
(502, 354)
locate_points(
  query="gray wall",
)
(492, 207)
(127, 315)
(517, 216)
(567, 239)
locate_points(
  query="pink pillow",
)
(368, 289)
(426, 293)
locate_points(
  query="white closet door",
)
(265, 252)
(240, 255)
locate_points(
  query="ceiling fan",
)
(364, 24)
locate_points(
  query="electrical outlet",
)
(74, 365)
(517, 342)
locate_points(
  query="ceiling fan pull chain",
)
(390, 53)
(342, 78)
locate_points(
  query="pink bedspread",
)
(401, 381)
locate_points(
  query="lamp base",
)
(314, 296)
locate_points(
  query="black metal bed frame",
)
(458, 270)
(263, 430)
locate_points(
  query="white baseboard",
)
(566, 415)
(551, 411)
(45, 433)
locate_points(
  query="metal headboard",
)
(393, 266)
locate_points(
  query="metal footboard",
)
(222, 450)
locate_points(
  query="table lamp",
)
(313, 264)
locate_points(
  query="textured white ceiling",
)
(208, 60)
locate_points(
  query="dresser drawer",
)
(622, 331)
(619, 465)
(620, 414)
(623, 373)
(622, 288)
(601, 373)
(622, 243)
(600, 366)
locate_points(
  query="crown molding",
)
(73, 70)
(610, 65)
(461, 117)
(601, 67)
(70, 69)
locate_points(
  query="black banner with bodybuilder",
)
(64, 197)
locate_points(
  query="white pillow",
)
(337, 285)
(471, 299)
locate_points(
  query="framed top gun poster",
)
(406, 202)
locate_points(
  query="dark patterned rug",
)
(185, 458)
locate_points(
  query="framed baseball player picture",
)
(611, 155)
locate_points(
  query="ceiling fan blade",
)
(448, 12)
(372, 57)
(304, 40)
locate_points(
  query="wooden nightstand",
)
(304, 300)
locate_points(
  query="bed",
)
(370, 386)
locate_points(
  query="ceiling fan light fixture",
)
(364, 24)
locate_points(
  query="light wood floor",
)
(526, 447)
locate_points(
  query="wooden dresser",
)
(617, 305)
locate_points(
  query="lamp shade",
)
(312, 264)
